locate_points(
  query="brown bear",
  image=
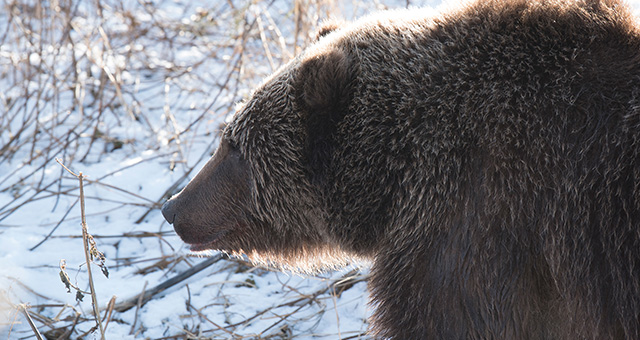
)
(486, 159)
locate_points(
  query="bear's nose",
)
(168, 211)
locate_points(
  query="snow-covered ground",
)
(132, 94)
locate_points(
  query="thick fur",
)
(486, 159)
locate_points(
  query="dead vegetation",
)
(92, 81)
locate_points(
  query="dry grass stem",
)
(36, 332)
(89, 252)
(126, 88)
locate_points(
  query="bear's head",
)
(261, 192)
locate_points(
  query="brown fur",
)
(486, 159)
(327, 27)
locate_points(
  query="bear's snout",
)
(214, 203)
(187, 231)
(168, 211)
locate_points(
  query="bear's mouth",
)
(211, 244)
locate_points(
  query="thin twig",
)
(35, 330)
(209, 320)
(138, 305)
(85, 242)
(109, 312)
(149, 294)
(54, 228)
(87, 254)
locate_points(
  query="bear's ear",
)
(324, 84)
(323, 81)
(327, 27)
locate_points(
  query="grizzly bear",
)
(486, 160)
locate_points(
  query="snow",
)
(129, 167)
